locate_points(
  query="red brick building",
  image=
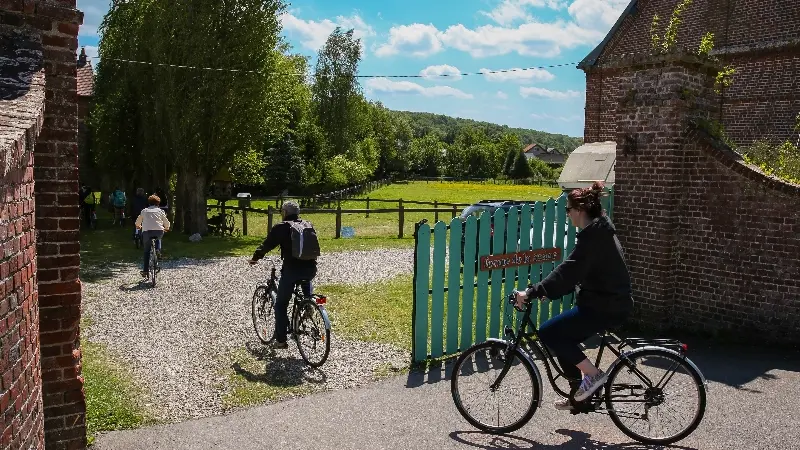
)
(712, 243)
(759, 38)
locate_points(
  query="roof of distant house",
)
(85, 75)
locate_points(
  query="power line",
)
(225, 69)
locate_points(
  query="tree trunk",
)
(180, 201)
(196, 203)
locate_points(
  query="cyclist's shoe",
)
(562, 404)
(590, 385)
(144, 274)
(280, 345)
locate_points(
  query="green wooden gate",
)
(459, 303)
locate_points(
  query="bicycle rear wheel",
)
(639, 401)
(264, 314)
(153, 262)
(313, 333)
(474, 373)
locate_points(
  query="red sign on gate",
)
(527, 258)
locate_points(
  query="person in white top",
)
(153, 222)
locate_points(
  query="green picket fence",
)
(456, 303)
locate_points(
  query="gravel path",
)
(179, 338)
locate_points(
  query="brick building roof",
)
(85, 75)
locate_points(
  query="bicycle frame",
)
(514, 342)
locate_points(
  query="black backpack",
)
(305, 244)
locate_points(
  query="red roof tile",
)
(85, 81)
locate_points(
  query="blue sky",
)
(433, 37)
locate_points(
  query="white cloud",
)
(501, 95)
(572, 118)
(93, 12)
(441, 72)
(597, 14)
(416, 39)
(313, 34)
(519, 75)
(528, 39)
(510, 11)
(584, 25)
(547, 93)
(407, 87)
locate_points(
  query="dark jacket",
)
(281, 235)
(139, 203)
(597, 267)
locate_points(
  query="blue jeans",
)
(289, 278)
(565, 332)
(146, 236)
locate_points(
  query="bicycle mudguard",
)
(325, 317)
(663, 349)
(525, 355)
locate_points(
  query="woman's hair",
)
(153, 200)
(588, 199)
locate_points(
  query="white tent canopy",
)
(588, 163)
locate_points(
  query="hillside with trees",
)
(263, 114)
(423, 123)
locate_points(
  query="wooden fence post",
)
(401, 219)
(269, 218)
(455, 211)
(436, 214)
(338, 221)
(367, 206)
(244, 222)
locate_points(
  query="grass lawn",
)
(111, 395)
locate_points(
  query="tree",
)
(285, 168)
(336, 90)
(204, 120)
(521, 168)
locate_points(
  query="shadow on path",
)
(578, 441)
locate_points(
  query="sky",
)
(430, 38)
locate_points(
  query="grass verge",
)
(113, 400)
(253, 381)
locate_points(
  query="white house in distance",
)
(588, 163)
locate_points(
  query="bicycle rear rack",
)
(671, 344)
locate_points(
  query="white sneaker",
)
(563, 404)
(589, 385)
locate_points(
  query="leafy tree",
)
(285, 168)
(521, 168)
(156, 116)
(336, 91)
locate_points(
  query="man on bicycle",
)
(153, 222)
(294, 268)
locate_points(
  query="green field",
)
(384, 226)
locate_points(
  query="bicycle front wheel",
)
(503, 408)
(656, 398)
(313, 333)
(264, 314)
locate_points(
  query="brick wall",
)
(57, 244)
(713, 245)
(760, 38)
(21, 116)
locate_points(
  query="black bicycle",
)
(309, 325)
(153, 265)
(512, 379)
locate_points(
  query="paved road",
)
(753, 404)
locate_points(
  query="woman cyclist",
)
(597, 268)
(153, 222)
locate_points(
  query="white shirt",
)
(153, 218)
